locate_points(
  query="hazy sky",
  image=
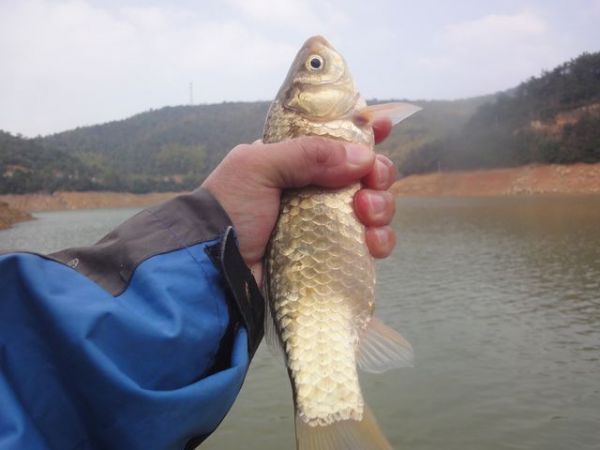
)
(72, 63)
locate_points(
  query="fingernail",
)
(376, 204)
(357, 155)
(382, 236)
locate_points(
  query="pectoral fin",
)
(396, 112)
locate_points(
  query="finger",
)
(310, 161)
(383, 174)
(382, 129)
(374, 208)
(381, 241)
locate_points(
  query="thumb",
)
(313, 161)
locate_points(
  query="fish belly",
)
(321, 290)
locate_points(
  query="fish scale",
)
(311, 273)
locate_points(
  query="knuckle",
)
(241, 154)
(240, 150)
(318, 151)
(391, 167)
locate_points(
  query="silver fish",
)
(320, 277)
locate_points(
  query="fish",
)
(319, 274)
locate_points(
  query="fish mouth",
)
(315, 42)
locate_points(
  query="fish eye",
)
(315, 62)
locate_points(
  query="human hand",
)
(249, 181)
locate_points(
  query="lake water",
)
(501, 301)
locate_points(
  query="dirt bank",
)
(527, 180)
(10, 216)
(82, 200)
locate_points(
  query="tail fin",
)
(344, 435)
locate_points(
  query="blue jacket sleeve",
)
(140, 341)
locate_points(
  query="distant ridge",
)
(175, 147)
(550, 119)
(553, 118)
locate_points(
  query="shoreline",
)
(64, 201)
(10, 216)
(15, 208)
(531, 180)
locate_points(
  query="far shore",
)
(551, 179)
(9, 216)
(519, 181)
(18, 207)
(62, 201)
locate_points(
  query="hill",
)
(438, 120)
(550, 119)
(174, 148)
(27, 166)
(553, 118)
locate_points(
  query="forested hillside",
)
(174, 148)
(28, 166)
(437, 120)
(553, 118)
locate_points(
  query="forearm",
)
(142, 339)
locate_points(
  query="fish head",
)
(319, 85)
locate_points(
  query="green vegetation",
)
(554, 118)
(174, 148)
(168, 149)
(27, 166)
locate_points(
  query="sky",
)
(70, 63)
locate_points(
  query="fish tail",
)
(342, 435)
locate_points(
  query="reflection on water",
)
(501, 300)
(499, 297)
